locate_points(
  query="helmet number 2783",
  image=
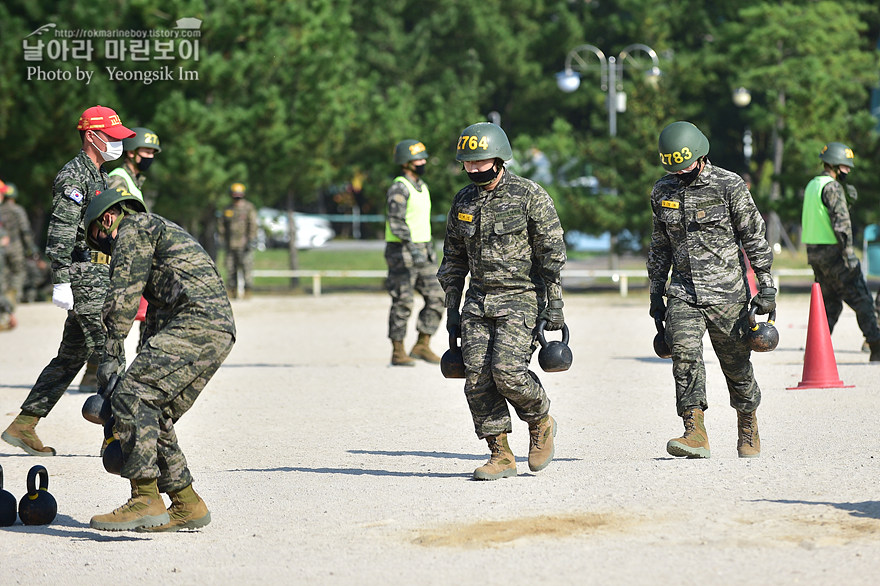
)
(677, 157)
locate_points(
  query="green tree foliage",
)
(295, 98)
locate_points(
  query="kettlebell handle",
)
(661, 329)
(771, 318)
(453, 338)
(542, 339)
(32, 480)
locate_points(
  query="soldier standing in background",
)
(702, 214)
(827, 232)
(502, 229)
(410, 255)
(21, 242)
(7, 319)
(238, 231)
(81, 276)
(156, 258)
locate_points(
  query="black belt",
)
(90, 256)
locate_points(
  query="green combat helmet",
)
(481, 141)
(409, 150)
(837, 153)
(143, 137)
(105, 200)
(681, 143)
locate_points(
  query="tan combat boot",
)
(695, 441)
(21, 433)
(187, 511)
(423, 350)
(501, 464)
(541, 445)
(398, 355)
(89, 382)
(7, 322)
(749, 443)
(144, 509)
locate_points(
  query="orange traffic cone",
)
(750, 276)
(820, 367)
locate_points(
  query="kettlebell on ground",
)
(37, 507)
(554, 356)
(8, 506)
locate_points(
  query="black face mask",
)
(688, 178)
(419, 169)
(144, 164)
(485, 177)
(104, 242)
(841, 176)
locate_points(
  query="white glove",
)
(62, 296)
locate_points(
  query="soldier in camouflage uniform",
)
(409, 252)
(7, 319)
(238, 231)
(80, 275)
(702, 214)
(503, 230)
(157, 258)
(827, 232)
(21, 242)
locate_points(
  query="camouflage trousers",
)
(405, 279)
(160, 385)
(239, 260)
(496, 355)
(83, 334)
(14, 276)
(841, 282)
(685, 326)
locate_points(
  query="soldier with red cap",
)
(80, 276)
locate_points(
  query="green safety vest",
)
(418, 214)
(815, 222)
(132, 187)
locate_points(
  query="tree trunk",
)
(291, 232)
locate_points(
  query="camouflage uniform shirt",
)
(697, 232)
(15, 220)
(74, 187)
(158, 259)
(509, 240)
(238, 226)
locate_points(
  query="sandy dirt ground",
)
(322, 464)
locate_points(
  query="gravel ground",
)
(322, 464)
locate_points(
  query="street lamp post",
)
(611, 74)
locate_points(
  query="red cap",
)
(106, 120)
(3, 187)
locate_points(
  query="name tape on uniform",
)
(669, 204)
(465, 217)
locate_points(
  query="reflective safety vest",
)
(418, 214)
(815, 222)
(132, 187)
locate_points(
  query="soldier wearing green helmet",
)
(503, 230)
(156, 258)
(140, 151)
(410, 255)
(701, 216)
(827, 232)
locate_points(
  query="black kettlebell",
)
(452, 361)
(762, 336)
(554, 356)
(8, 506)
(111, 451)
(37, 507)
(97, 407)
(661, 348)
